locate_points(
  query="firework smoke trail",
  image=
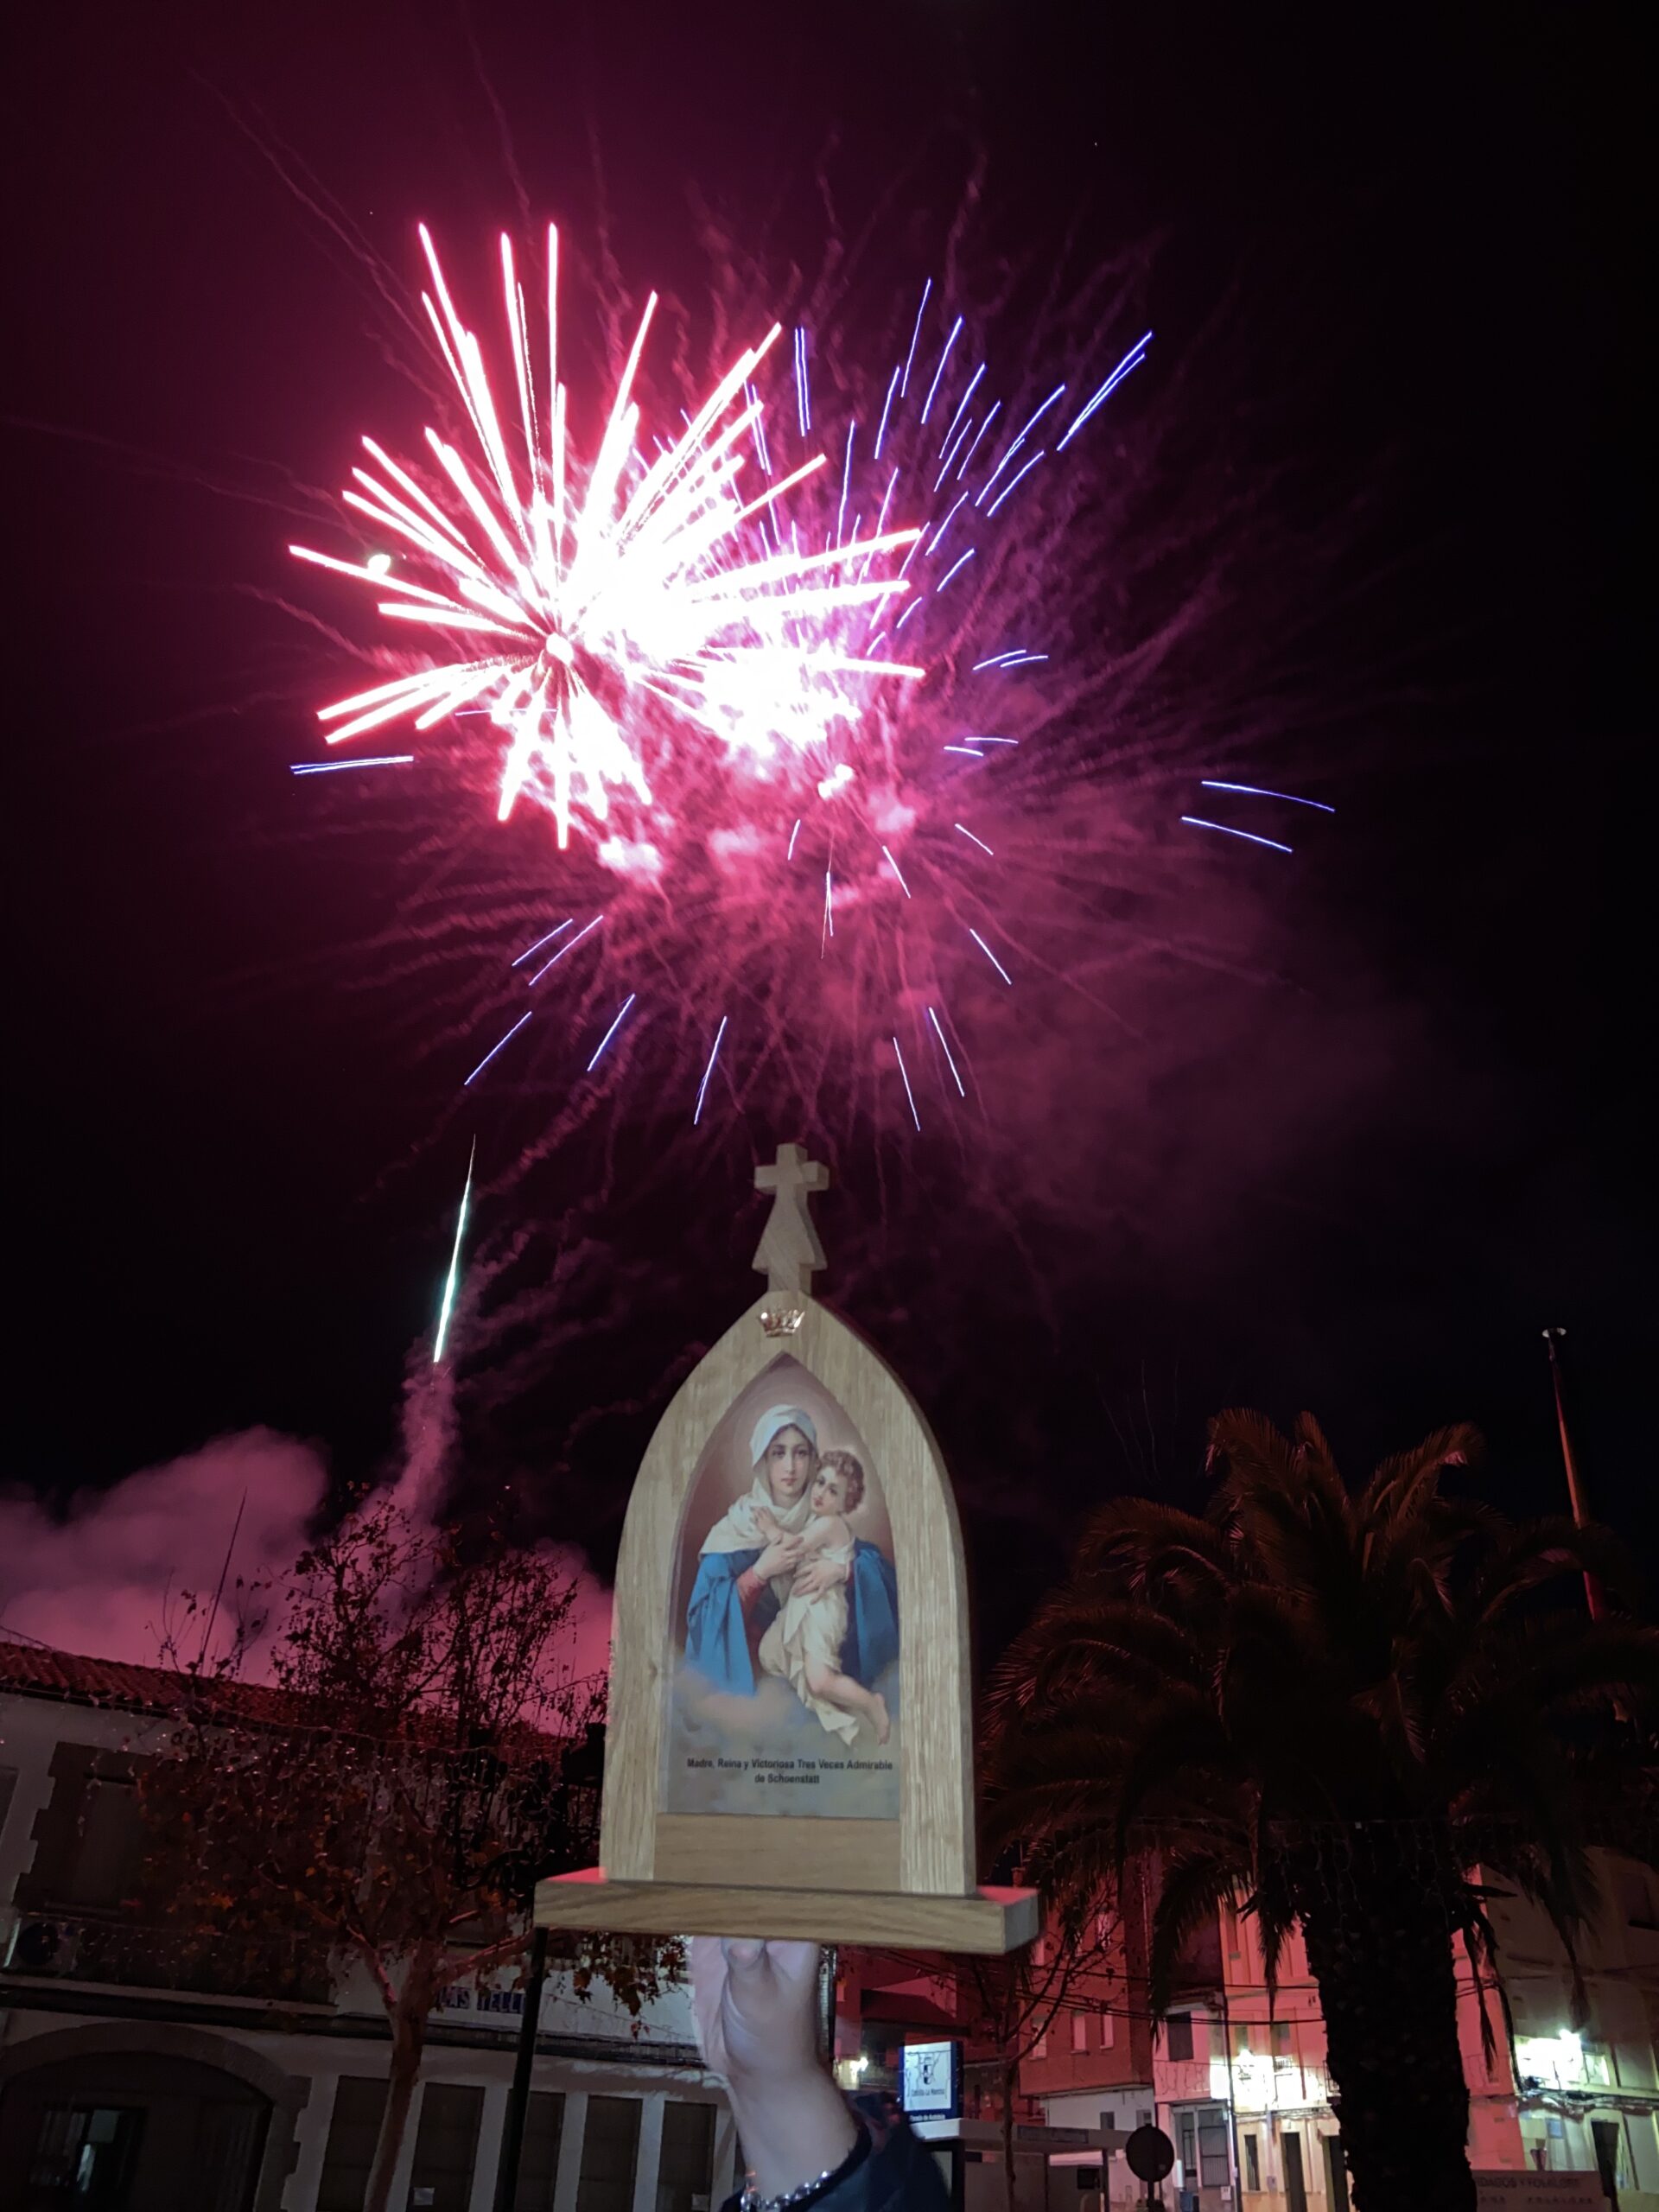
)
(447, 1304)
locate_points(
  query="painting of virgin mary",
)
(791, 1621)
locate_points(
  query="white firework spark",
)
(571, 595)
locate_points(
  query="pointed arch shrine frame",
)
(905, 1880)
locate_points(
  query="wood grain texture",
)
(777, 1852)
(936, 1848)
(985, 1921)
(790, 1252)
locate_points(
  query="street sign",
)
(931, 2081)
(1521, 2192)
(1150, 2153)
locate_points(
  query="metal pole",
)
(1232, 2099)
(513, 2132)
(828, 1961)
(1553, 1338)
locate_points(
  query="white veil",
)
(737, 1529)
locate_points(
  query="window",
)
(84, 2153)
(354, 2129)
(610, 2148)
(7, 1783)
(1106, 2030)
(446, 2143)
(1295, 2176)
(1336, 2175)
(111, 1844)
(539, 2161)
(1608, 2137)
(230, 2143)
(1080, 2032)
(1252, 2152)
(1281, 2039)
(1179, 2035)
(1039, 2049)
(685, 2169)
(1201, 2135)
(1214, 2166)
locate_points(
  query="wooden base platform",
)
(988, 1921)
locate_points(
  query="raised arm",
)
(819, 1574)
(755, 2008)
(827, 1528)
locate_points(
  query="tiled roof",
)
(35, 1671)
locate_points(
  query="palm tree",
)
(1339, 1708)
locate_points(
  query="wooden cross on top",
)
(789, 1250)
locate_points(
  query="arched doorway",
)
(131, 2131)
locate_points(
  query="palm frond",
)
(1302, 1666)
(1531, 1554)
(1249, 1444)
(1400, 1482)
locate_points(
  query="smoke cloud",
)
(106, 1575)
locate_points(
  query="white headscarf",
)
(737, 1530)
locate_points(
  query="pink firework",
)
(774, 676)
(602, 609)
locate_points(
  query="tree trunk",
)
(1010, 2084)
(409, 2018)
(1379, 1942)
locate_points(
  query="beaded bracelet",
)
(809, 2192)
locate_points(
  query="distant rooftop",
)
(35, 1671)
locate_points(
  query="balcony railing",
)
(114, 1950)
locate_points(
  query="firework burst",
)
(773, 682)
(594, 608)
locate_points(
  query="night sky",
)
(1393, 263)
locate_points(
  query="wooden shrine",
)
(790, 1748)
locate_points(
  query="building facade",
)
(124, 2066)
(1090, 2068)
(167, 2083)
(1241, 2087)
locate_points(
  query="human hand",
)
(821, 1575)
(755, 2007)
(781, 1557)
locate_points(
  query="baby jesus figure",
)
(803, 1645)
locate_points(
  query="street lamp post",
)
(1553, 1338)
(513, 2132)
(828, 1970)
